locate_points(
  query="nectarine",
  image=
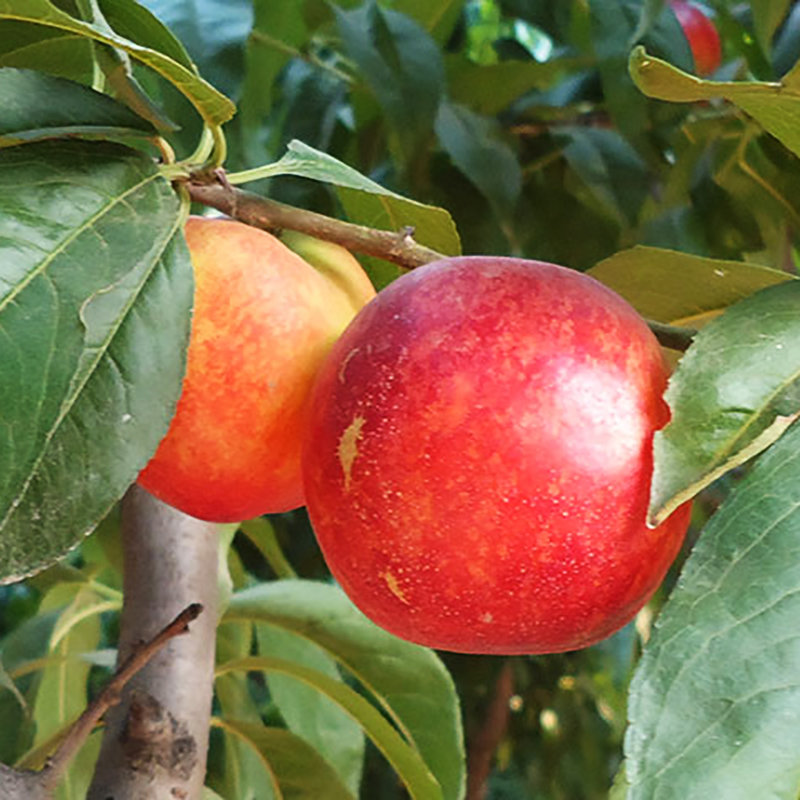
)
(263, 321)
(478, 458)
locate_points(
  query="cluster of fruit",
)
(473, 444)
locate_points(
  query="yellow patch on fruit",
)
(348, 447)
(394, 587)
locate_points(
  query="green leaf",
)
(476, 146)
(735, 391)
(213, 106)
(776, 106)
(490, 88)
(308, 713)
(405, 760)
(680, 288)
(262, 534)
(7, 683)
(767, 18)
(610, 168)
(409, 681)
(38, 106)
(95, 291)
(714, 706)
(391, 52)
(62, 694)
(438, 17)
(365, 202)
(297, 769)
(243, 774)
(49, 50)
(278, 28)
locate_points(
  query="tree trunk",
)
(156, 739)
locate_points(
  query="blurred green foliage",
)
(520, 118)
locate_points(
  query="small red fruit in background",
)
(478, 459)
(263, 321)
(701, 34)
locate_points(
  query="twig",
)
(398, 247)
(39, 784)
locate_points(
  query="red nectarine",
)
(702, 35)
(478, 458)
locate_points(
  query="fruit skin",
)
(701, 34)
(336, 263)
(478, 458)
(263, 321)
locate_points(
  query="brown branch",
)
(30, 784)
(84, 725)
(484, 742)
(398, 247)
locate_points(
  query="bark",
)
(485, 741)
(156, 739)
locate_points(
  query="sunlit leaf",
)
(775, 105)
(674, 287)
(715, 703)
(734, 393)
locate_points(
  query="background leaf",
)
(405, 760)
(309, 714)
(715, 704)
(673, 287)
(392, 51)
(409, 681)
(94, 312)
(296, 767)
(734, 392)
(775, 105)
(478, 149)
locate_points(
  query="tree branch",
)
(30, 785)
(261, 212)
(156, 738)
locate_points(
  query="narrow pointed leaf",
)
(95, 291)
(212, 105)
(308, 713)
(733, 394)
(409, 681)
(299, 770)
(674, 287)
(38, 106)
(714, 707)
(776, 106)
(410, 768)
